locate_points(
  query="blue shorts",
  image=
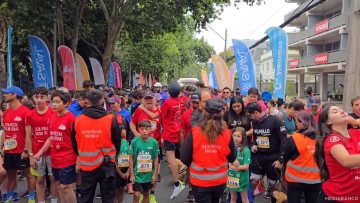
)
(65, 176)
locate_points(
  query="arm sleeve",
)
(282, 133)
(232, 156)
(115, 135)
(73, 139)
(289, 151)
(186, 150)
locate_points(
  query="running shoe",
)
(130, 189)
(31, 201)
(159, 178)
(98, 196)
(152, 198)
(141, 198)
(190, 197)
(267, 194)
(3, 197)
(16, 196)
(177, 190)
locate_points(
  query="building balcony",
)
(330, 24)
(322, 62)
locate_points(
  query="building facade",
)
(321, 39)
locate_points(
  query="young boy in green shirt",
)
(144, 162)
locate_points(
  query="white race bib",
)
(233, 182)
(144, 164)
(263, 142)
(123, 161)
(10, 144)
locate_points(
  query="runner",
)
(144, 162)
(254, 96)
(147, 111)
(63, 158)
(15, 155)
(269, 136)
(171, 112)
(77, 106)
(204, 96)
(38, 144)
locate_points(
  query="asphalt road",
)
(163, 192)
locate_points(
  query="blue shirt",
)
(289, 123)
(125, 114)
(75, 108)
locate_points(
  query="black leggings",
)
(296, 190)
(208, 194)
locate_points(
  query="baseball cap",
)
(194, 98)
(314, 102)
(157, 84)
(13, 90)
(213, 106)
(115, 99)
(158, 97)
(148, 94)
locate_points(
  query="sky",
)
(246, 22)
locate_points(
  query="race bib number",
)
(10, 144)
(153, 125)
(144, 164)
(263, 142)
(233, 182)
(123, 161)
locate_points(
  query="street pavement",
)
(163, 190)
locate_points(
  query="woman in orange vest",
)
(302, 173)
(206, 151)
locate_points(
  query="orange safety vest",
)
(93, 137)
(303, 169)
(209, 165)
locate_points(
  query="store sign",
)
(322, 58)
(322, 26)
(294, 63)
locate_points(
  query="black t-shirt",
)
(355, 117)
(269, 134)
(237, 120)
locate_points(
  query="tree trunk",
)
(76, 28)
(3, 36)
(60, 28)
(114, 29)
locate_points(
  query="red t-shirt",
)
(185, 121)
(171, 111)
(14, 128)
(343, 182)
(40, 128)
(61, 150)
(185, 98)
(140, 115)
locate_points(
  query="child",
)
(238, 180)
(144, 162)
(122, 162)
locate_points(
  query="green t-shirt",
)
(145, 153)
(239, 180)
(122, 158)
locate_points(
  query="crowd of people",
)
(224, 146)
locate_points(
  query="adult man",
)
(269, 136)
(38, 144)
(204, 95)
(15, 155)
(96, 140)
(314, 106)
(226, 94)
(148, 111)
(171, 111)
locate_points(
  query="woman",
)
(337, 154)
(302, 173)
(213, 140)
(271, 105)
(254, 96)
(236, 116)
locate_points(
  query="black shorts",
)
(262, 165)
(171, 146)
(14, 162)
(121, 182)
(142, 187)
(65, 176)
